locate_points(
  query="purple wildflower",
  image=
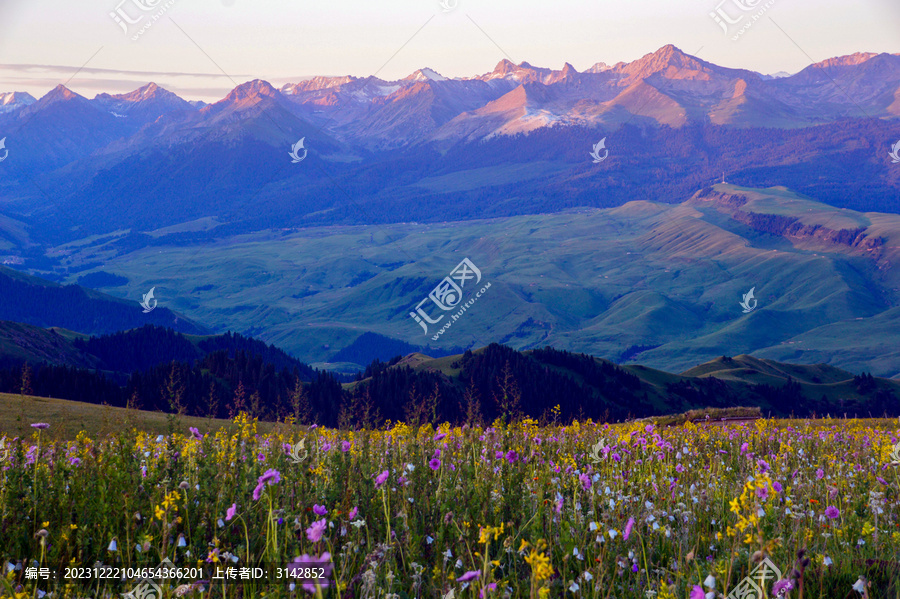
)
(353, 513)
(231, 512)
(585, 481)
(469, 576)
(345, 446)
(381, 479)
(434, 464)
(270, 477)
(195, 433)
(697, 592)
(40, 425)
(303, 563)
(511, 456)
(820, 474)
(319, 510)
(314, 533)
(777, 486)
(439, 436)
(832, 512)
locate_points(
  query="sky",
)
(201, 49)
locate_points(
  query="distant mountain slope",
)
(481, 385)
(42, 303)
(595, 386)
(658, 284)
(131, 351)
(372, 346)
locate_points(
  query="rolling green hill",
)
(649, 283)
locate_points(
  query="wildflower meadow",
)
(589, 510)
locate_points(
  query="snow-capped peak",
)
(426, 74)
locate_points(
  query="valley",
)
(663, 279)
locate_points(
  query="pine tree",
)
(472, 404)
(255, 404)
(212, 402)
(240, 400)
(175, 391)
(508, 397)
(134, 402)
(25, 388)
(300, 403)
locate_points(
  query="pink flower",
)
(439, 436)
(345, 446)
(629, 526)
(434, 464)
(488, 588)
(381, 479)
(319, 510)
(744, 448)
(585, 481)
(832, 512)
(231, 512)
(697, 592)
(353, 513)
(314, 533)
(40, 425)
(468, 576)
(679, 468)
(820, 474)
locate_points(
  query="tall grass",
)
(583, 510)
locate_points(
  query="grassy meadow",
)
(583, 510)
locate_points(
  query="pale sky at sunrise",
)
(42, 42)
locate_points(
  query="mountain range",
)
(149, 160)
